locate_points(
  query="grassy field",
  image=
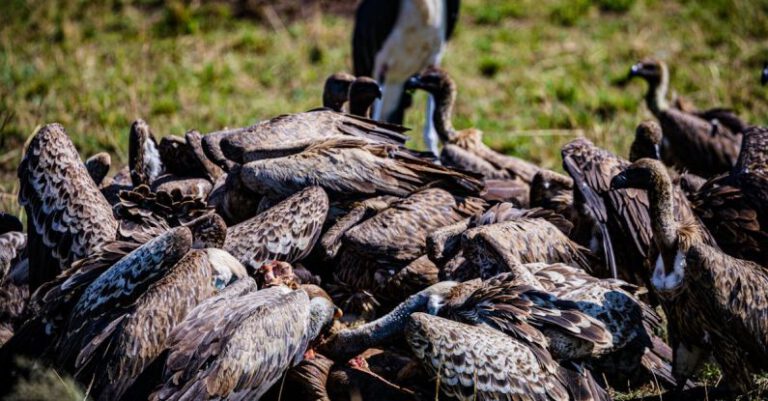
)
(532, 74)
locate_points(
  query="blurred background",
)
(532, 74)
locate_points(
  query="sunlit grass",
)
(532, 74)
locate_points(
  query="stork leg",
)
(390, 100)
(430, 134)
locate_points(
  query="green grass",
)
(532, 74)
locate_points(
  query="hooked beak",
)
(764, 78)
(413, 83)
(379, 92)
(619, 182)
(337, 313)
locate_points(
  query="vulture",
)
(637, 355)
(712, 301)
(68, 217)
(363, 92)
(98, 167)
(704, 142)
(734, 206)
(465, 149)
(394, 39)
(621, 224)
(349, 168)
(336, 90)
(238, 343)
(171, 165)
(286, 232)
(384, 256)
(476, 360)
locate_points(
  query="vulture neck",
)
(444, 102)
(656, 97)
(349, 343)
(360, 107)
(662, 213)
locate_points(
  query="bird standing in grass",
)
(394, 39)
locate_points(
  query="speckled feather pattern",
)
(68, 217)
(495, 248)
(399, 232)
(480, 363)
(264, 333)
(121, 285)
(351, 168)
(117, 356)
(285, 232)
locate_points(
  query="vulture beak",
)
(379, 92)
(413, 83)
(337, 313)
(764, 78)
(619, 182)
(635, 70)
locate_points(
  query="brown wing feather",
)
(114, 362)
(68, 216)
(349, 168)
(106, 298)
(260, 341)
(480, 363)
(286, 232)
(693, 146)
(317, 124)
(399, 233)
(500, 247)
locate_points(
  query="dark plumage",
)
(336, 90)
(68, 217)
(362, 93)
(98, 167)
(349, 169)
(238, 343)
(647, 143)
(734, 206)
(526, 314)
(621, 224)
(711, 300)
(637, 355)
(706, 143)
(381, 255)
(286, 232)
(313, 125)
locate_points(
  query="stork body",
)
(394, 40)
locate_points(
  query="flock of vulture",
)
(313, 256)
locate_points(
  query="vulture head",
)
(336, 89)
(642, 174)
(433, 80)
(651, 70)
(647, 141)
